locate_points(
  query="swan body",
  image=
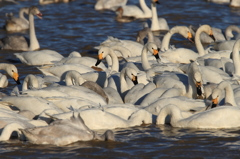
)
(14, 24)
(100, 119)
(19, 42)
(64, 132)
(41, 57)
(132, 10)
(220, 117)
(109, 4)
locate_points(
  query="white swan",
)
(157, 23)
(179, 55)
(64, 132)
(220, 117)
(135, 11)
(17, 23)
(19, 42)
(42, 57)
(229, 31)
(11, 71)
(100, 119)
(109, 4)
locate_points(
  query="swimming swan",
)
(19, 42)
(217, 118)
(64, 132)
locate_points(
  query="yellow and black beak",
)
(199, 89)
(190, 37)
(100, 57)
(134, 79)
(16, 77)
(214, 102)
(211, 35)
(155, 53)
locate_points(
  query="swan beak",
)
(214, 102)
(211, 35)
(156, 1)
(190, 37)
(199, 90)
(100, 57)
(39, 15)
(134, 79)
(16, 77)
(155, 53)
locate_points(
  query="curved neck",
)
(155, 25)
(144, 7)
(235, 57)
(34, 45)
(138, 117)
(3, 66)
(144, 59)
(124, 51)
(115, 62)
(123, 84)
(8, 130)
(166, 41)
(229, 95)
(229, 30)
(30, 81)
(171, 110)
(150, 36)
(73, 78)
(21, 14)
(198, 43)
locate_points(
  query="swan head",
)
(215, 96)
(152, 47)
(102, 53)
(132, 74)
(155, 2)
(13, 72)
(207, 29)
(197, 79)
(35, 11)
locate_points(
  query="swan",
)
(99, 119)
(121, 18)
(64, 132)
(11, 71)
(42, 57)
(133, 46)
(157, 23)
(132, 10)
(3, 81)
(180, 55)
(17, 23)
(217, 118)
(229, 94)
(25, 103)
(229, 30)
(19, 42)
(205, 38)
(59, 71)
(109, 4)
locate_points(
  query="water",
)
(76, 26)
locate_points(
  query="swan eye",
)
(12, 71)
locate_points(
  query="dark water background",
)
(76, 26)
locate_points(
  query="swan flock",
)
(130, 83)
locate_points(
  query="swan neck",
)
(173, 111)
(144, 7)
(198, 43)
(30, 81)
(229, 95)
(155, 25)
(144, 59)
(73, 78)
(8, 130)
(115, 62)
(236, 60)
(34, 45)
(123, 83)
(166, 41)
(124, 51)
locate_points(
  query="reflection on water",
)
(76, 26)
